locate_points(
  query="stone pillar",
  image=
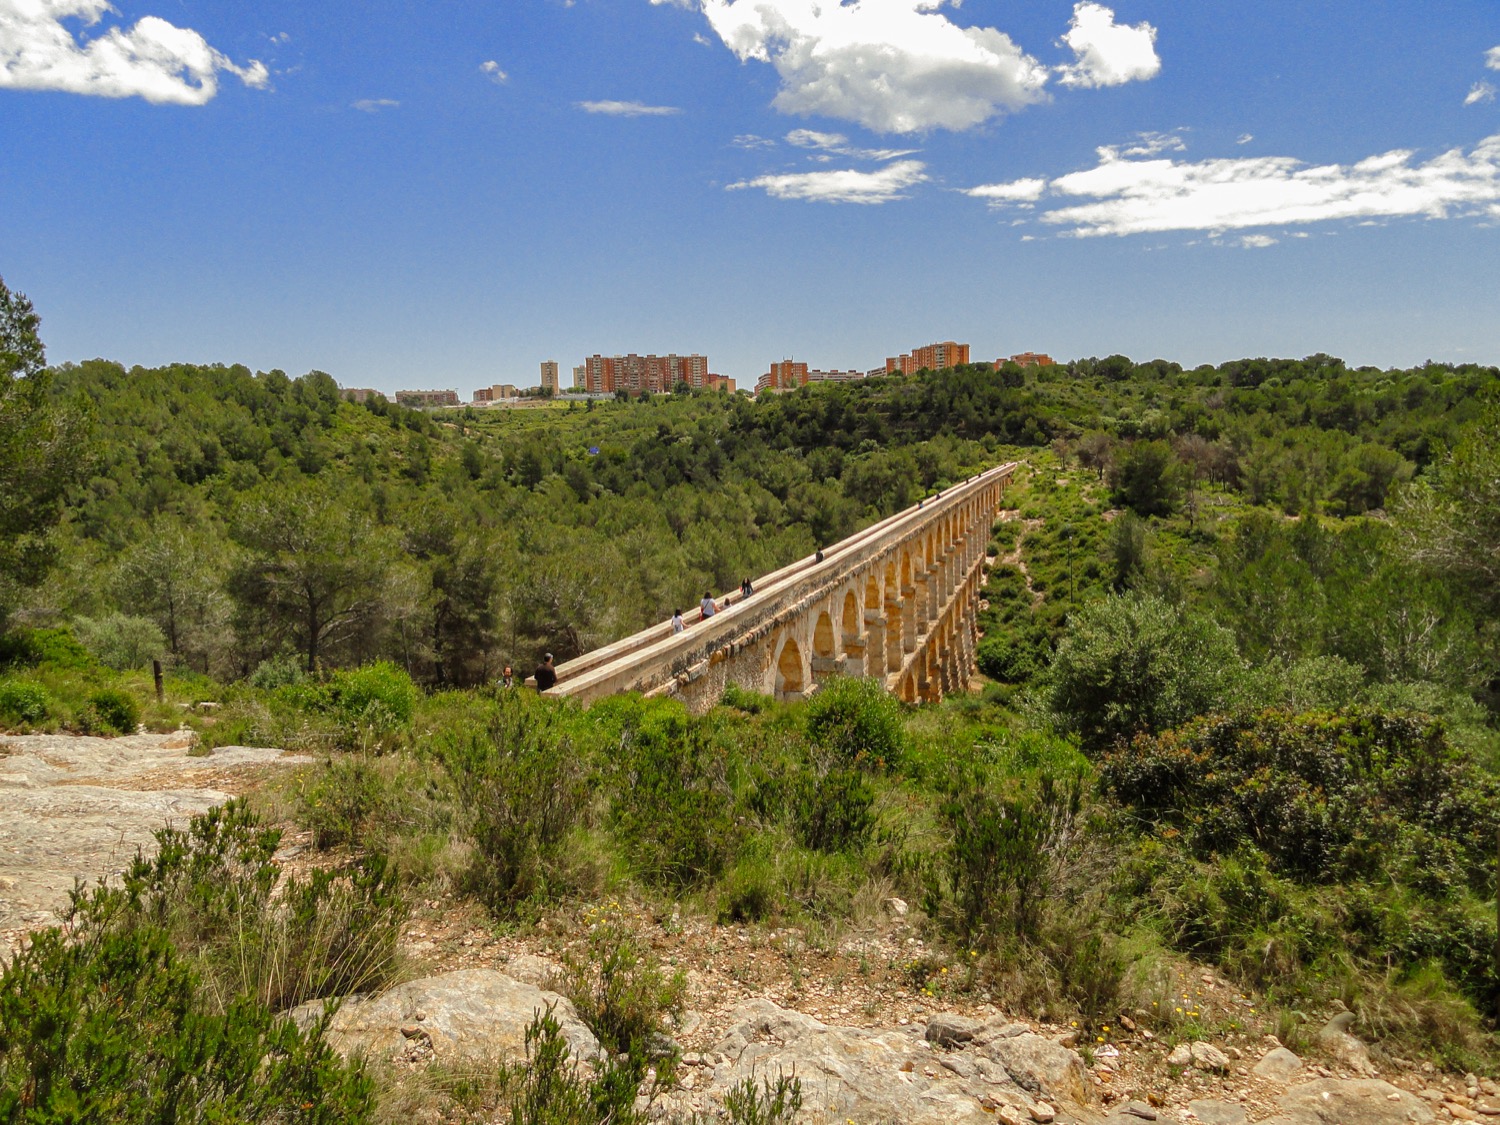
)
(895, 634)
(875, 643)
(824, 667)
(854, 654)
(923, 603)
(908, 619)
(937, 586)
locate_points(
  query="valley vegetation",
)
(1240, 671)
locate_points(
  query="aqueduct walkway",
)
(898, 600)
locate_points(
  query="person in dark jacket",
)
(545, 674)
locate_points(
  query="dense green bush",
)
(673, 808)
(1136, 663)
(833, 812)
(1292, 848)
(30, 648)
(23, 703)
(379, 694)
(860, 722)
(522, 792)
(109, 711)
(107, 1023)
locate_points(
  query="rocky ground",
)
(74, 807)
(878, 1026)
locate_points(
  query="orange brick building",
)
(932, 357)
(644, 374)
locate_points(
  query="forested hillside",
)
(224, 506)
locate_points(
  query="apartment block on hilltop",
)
(932, 357)
(496, 393)
(424, 399)
(646, 374)
(790, 374)
(1028, 359)
(549, 377)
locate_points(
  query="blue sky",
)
(445, 194)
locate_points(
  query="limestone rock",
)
(1337, 1041)
(1212, 1112)
(1205, 1056)
(1278, 1065)
(1044, 1067)
(948, 1030)
(847, 1073)
(1350, 1101)
(1182, 1055)
(468, 1013)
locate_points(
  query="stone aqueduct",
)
(898, 600)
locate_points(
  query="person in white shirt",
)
(707, 607)
(677, 625)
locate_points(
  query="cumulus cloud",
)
(628, 109)
(1257, 241)
(1480, 92)
(839, 145)
(1492, 58)
(1124, 197)
(1016, 191)
(153, 59)
(842, 186)
(493, 71)
(894, 66)
(903, 66)
(1108, 53)
(374, 105)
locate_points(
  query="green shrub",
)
(673, 809)
(743, 699)
(218, 893)
(550, 1089)
(522, 791)
(1297, 848)
(23, 703)
(859, 721)
(834, 812)
(31, 648)
(375, 802)
(1135, 663)
(378, 693)
(277, 672)
(775, 1103)
(109, 711)
(101, 1023)
(120, 641)
(619, 990)
(1013, 657)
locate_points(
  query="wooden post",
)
(156, 675)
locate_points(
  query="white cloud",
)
(1258, 241)
(894, 66)
(1139, 196)
(153, 59)
(1492, 58)
(492, 70)
(749, 142)
(1480, 92)
(1016, 191)
(628, 109)
(838, 144)
(1109, 54)
(374, 105)
(1244, 138)
(1153, 144)
(842, 186)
